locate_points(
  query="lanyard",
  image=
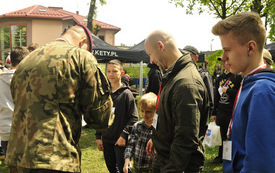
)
(157, 106)
(235, 104)
(238, 96)
(227, 81)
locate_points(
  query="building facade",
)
(39, 24)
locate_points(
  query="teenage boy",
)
(141, 133)
(113, 141)
(251, 135)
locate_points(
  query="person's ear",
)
(122, 73)
(252, 47)
(160, 45)
(82, 42)
(197, 58)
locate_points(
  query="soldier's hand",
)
(150, 149)
(121, 142)
(99, 145)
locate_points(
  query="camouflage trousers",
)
(14, 169)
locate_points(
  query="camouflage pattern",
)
(13, 169)
(52, 88)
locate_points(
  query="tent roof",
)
(105, 52)
(138, 47)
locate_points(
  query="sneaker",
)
(217, 160)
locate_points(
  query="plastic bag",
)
(213, 135)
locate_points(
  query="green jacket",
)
(183, 115)
(52, 88)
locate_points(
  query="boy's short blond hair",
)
(148, 100)
(244, 27)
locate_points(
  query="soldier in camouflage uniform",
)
(52, 88)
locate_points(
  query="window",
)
(102, 37)
(18, 33)
(11, 36)
(4, 42)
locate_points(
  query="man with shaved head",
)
(52, 88)
(182, 108)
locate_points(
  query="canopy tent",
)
(140, 49)
(271, 48)
(105, 52)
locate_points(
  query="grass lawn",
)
(93, 161)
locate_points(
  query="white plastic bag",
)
(213, 135)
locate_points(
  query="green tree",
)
(226, 8)
(270, 19)
(213, 60)
(221, 8)
(92, 12)
(266, 9)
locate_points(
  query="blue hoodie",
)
(253, 130)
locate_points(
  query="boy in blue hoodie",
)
(251, 143)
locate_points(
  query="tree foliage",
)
(92, 12)
(221, 8)
(213, 60)
(266, 9)
(226, 8)
(271, 19)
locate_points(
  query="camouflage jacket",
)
(52, 88)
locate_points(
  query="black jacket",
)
(209, 86)
(154, 79)
(126, 115)
(183, 115)
(224, 103)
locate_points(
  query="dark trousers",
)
(158, 166)
(142, 171)
(114, 157)
(223, 120)
(4, 145)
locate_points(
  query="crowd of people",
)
(48, 89)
